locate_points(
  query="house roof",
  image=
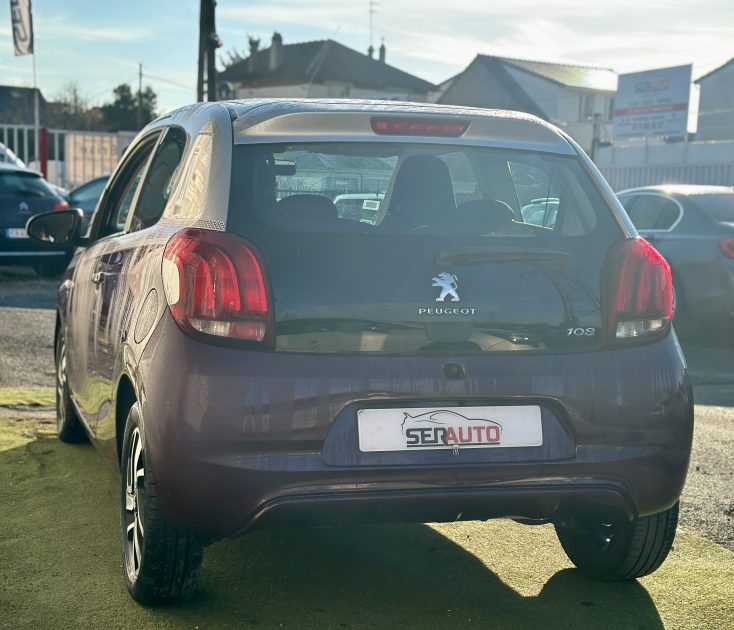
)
(715, 70)
(16, 105)
(585, 77)
(321, 61)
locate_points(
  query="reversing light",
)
(214, 284)
(419, 127)
(637, 291)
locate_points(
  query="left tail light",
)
(726, 245)
(215, 285)
(637, 292)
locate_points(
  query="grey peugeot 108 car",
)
(249, 356)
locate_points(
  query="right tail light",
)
(637, 292)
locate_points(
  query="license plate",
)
(16, 233)
(429, 428)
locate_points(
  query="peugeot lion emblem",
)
(448, 285)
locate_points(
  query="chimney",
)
(371, 51)
(382, 52)
(254, 45)
(276, 51)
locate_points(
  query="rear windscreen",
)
(15, 183)
(386, 247)
(386, 188)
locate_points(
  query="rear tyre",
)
(160, 564)
(621, 551)
(68, 426)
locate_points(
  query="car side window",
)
(159, 180)
(668, 216)
(123, 209)
(88, 192)
(116, 204)
(645, 210)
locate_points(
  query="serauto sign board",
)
(652, 103)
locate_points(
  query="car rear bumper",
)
(239, 439)
(534, 502)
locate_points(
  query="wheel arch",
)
(125, 398)
(57, 330)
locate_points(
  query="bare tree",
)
(231, 57)
(70, 109)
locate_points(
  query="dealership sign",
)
(652, 103)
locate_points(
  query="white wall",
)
(317, 90)
(274, 91)
(656, 153)
(545, 93)
(661, 163)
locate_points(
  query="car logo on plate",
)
(443, 428)
(448, 285)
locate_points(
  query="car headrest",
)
(422, 191)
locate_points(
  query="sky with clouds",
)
(99, 44)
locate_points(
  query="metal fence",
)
(621, 177)
(73, 156)
(21, 139)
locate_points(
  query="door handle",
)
(98, 277)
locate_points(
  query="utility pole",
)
(140, 96)
(595, 136)
(211, 56)
(202, 52)
(208, 43)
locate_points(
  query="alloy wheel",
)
(134, 492)
(60, 384)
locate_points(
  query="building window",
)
(338, 90)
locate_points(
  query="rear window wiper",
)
(479, 255)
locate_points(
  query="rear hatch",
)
(23, 194)
(456, 249)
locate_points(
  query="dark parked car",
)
(250, 358)
(693, 228)
(86, 197)
(23, 193)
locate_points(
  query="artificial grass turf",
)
(60, 567)
(27, 396)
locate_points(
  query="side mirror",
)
(60, 227)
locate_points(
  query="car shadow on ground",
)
(395, 576)
(61, 566)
